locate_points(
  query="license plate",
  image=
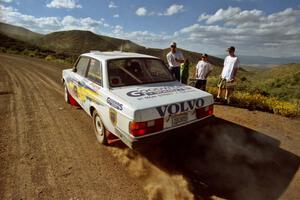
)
(179, 119)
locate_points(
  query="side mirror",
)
(74, 69)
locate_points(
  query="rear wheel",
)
(66, 94)
(99, 129)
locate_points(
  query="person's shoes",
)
(217, 99)
(227, 101)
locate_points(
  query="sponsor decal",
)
(114, 103)
(160, 91)
(113, 116)
(175, 108)
(91, 99)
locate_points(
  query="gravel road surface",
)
(48, 149)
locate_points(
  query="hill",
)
(282, 82)
(15, 46)
(262, 60)
(11, 45)
(75, 42)
(19, 33)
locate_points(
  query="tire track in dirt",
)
(31, 145)
(68, 154)
(7, 151)
(18, 127)
(156, 183)
(67, 139)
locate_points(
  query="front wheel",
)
(99, 129)
(66, 94)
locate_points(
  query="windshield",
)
(135, 71)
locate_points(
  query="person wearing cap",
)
(228, 76)
(175, 58)
(203, 68)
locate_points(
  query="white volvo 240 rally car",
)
(132, 97)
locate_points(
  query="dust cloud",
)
(213, 160)
(158, 184)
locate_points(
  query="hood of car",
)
(162, 99)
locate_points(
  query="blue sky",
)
(254, 27)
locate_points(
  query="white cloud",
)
(71, 4)
(142, 11)
(70, 22)
(253, 31)
(112, 5)
(116, 16)
(172, 10)
(118, 30)
(223, 15)
(6, 1)
(145, 38)
(203, 17)
(50, 24)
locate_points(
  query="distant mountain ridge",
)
(75, 42)
(264, 60)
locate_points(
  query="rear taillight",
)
(143, 128)
(204, 111)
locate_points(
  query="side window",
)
(82, 66)
(94, 73)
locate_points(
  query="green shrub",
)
(50, 58)
(3, 50)
(262, 103)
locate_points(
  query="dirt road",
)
(48, 150)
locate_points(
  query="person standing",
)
(184, 71)
(175, 58)
(228, 76)
(203, 68)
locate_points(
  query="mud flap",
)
(73, 102)
(111, 138)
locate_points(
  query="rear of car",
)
(159, 103)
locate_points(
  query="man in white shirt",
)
(203, 68)
(175, 58)
(228, 75)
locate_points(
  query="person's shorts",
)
(223, 83)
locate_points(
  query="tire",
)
(99, 129)
(66, 94)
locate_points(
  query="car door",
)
(79, 74)
(93, 84)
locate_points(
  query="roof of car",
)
(115, 55)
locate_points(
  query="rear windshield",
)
(136, 71)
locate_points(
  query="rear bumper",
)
(152, 139)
